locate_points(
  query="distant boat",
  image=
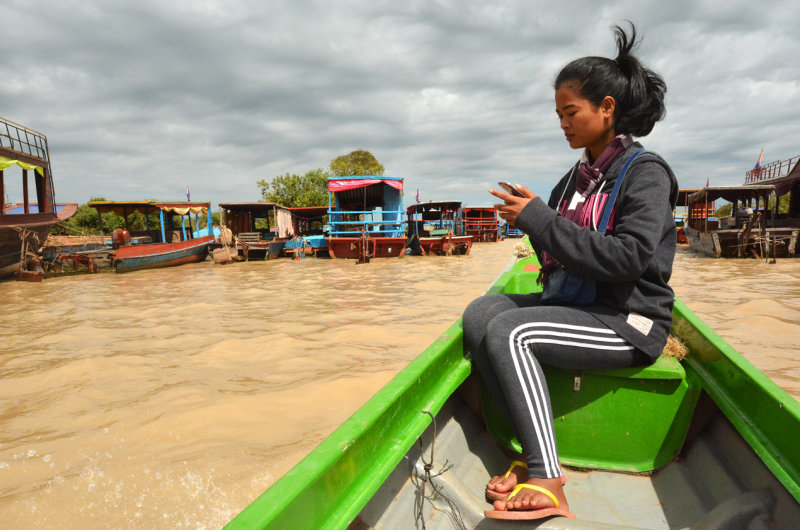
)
(438, 227)
(166, 246)
(309, 232)
(481, 223)
(755, 227)
(705, 442)
(365, 214)
(509, 230)
(32, 219)
(260, 229)
(681, 213)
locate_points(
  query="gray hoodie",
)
(632, 262)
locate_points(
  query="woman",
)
(601, 104)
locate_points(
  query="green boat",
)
(706, 442)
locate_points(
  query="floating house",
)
(438, 228)
(260, 229)
(24, 226)
(365, 214)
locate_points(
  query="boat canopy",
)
(441, 206)
(309, 212)
(731, 193)
(123, 208)
(6, 163)
(336, 184)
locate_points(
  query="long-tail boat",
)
(481, 223)
(27, 224)
(705, 442)
(439, 228)
(365, 214)
(151, 248)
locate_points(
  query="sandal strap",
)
(540, 489)
(514, 464)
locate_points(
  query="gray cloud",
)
(141, 101)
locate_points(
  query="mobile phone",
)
(510, 188)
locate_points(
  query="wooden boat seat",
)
(249, 237)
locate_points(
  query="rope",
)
(419, 500)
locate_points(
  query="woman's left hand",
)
(512, 205)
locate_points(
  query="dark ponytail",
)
(638, 91)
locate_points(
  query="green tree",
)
(723, 211)
(292, 190)
(357, 163)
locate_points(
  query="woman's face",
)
(584, 124)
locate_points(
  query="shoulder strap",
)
(613, 197)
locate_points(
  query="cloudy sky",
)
(142, 99)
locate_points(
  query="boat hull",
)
(39, 224)
(151, 256)
(458, 245)
(740, 460)
(376, 247)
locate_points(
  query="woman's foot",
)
(530, 499)
(499, 486)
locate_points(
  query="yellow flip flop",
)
(494, 495)
(530, 514)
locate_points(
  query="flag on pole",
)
(417, 195)
(760, 159)
(188, 196)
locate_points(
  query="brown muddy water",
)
(172, 398)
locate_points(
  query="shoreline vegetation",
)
(289, 190)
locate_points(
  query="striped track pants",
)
(511, 336)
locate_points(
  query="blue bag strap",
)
(613, 197)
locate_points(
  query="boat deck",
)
(718, 482)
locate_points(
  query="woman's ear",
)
(608, 106)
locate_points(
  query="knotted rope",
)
(419, 501)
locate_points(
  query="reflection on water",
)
(172, 398)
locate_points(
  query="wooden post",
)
(2, 195)
(25, 190)
(717, 247)
(793, 242)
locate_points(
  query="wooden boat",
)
(260, 229)
(707, 442)
(366, 217)
(481, 223)
(29, 222)
(755, 227)
(439, 228)
(166, 246)
(309, 238)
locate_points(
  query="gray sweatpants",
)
(510, 335)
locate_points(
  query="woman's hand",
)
(512, 205)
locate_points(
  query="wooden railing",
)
(770, 171)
